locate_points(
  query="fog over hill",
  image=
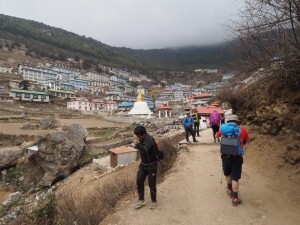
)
(56, 43)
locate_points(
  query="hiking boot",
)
(138, 204)
(236, 201)
(153, 205)
(195, 140)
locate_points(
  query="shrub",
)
(45, 211)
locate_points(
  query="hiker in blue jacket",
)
(188, 123)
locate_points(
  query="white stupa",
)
(140, 107)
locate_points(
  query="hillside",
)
(56, 43)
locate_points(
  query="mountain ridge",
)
(56, 43)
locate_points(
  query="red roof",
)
(209, 110)
(200, 96)
(122, 150)
(164, 107)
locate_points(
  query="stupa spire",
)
(140, 97)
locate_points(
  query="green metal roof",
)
(29, 92)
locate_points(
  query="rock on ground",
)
(60, 152)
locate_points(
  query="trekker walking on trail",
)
(232, 164)
(148, 167)
(188, 124)
(196, 118)
(214, 121)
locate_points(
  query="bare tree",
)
(269, 37)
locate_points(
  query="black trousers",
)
(142, 173)
(191, 131)
(215, 129)
(196, 128)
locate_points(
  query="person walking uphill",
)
(148, 167)
(214, 121)
(232, 163)
(188, 123)
(196, 118)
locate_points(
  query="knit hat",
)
(233, 118)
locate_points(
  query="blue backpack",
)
(230, 142)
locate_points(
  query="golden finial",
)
(140, 97)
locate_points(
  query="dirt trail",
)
(192, 194)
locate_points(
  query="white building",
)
(166, 95)
(96, 76)
(37, 73)
(29, 96)
(121, 73)
(79, 104)
(110, 106)
(178, 94)
(6, 69)
(118, 79)
(62, 93)
(84, 104)
(134, 79)
(97, 104)
(79, 84)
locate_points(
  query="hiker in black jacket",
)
(148, 166)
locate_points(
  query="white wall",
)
(126, 158)
(203, 125)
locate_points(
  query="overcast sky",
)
(133, 23)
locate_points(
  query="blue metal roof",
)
(125, 104)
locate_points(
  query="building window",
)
(27, 96)
(79, 107)
(35, 96)
(43, 97)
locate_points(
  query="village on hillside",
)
(198, 133)
(111, 91)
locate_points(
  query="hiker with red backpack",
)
(214, 121)
(150, 154)
(233, 140)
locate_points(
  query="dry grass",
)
(105, 193)
(95, 207)
(90, 201)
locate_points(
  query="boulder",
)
(48, 123)
(60, 152)
(10, 155)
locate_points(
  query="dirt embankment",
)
(192, 193)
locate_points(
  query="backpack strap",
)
(156, 152)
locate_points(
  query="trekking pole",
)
(221, 177)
